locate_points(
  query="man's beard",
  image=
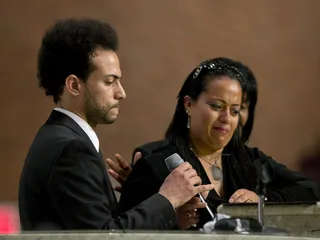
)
(97, 112)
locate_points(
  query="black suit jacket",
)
(64, 185)
(149, 173)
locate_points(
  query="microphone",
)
(265, 176)
(174, 161)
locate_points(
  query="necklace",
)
(216, 171)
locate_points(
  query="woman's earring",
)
(188, 123)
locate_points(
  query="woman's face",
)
(214, 116)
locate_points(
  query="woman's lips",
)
(222, 130)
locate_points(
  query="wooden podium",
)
(299, 219)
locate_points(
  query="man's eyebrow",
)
(112, 75)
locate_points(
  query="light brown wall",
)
(161, 41)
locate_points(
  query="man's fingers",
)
(194, 203)
(204, 188)
(205, 194)
(194, 200)
(191, 173)
(185, 166)
(196, 181)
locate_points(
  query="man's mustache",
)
(116, 105)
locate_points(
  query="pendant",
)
(216, 173)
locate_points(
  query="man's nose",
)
(120, 94)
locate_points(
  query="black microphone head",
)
(173, 161)
(267, 173)
(264, 171)
(258, 167)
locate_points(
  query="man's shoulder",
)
(53, 139)
(76, 146)
(54, 135)
(46, 151)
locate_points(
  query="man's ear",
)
(73, 85)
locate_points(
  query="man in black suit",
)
(63, 183)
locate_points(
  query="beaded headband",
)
(209, 64)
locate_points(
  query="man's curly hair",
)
(67, 48)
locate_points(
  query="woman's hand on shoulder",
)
(119, 169)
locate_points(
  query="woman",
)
(236, 162)
(121, 170)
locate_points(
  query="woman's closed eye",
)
(219, 107)
(216, 106)
(235, 112)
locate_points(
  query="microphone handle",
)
(207, 207)
(260, 209)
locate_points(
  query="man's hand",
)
(187, 214)
(182, 184)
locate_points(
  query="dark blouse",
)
(150, 171)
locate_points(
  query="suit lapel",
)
(60, 118)
(57, 117)
(109, 189)
(100, 154)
